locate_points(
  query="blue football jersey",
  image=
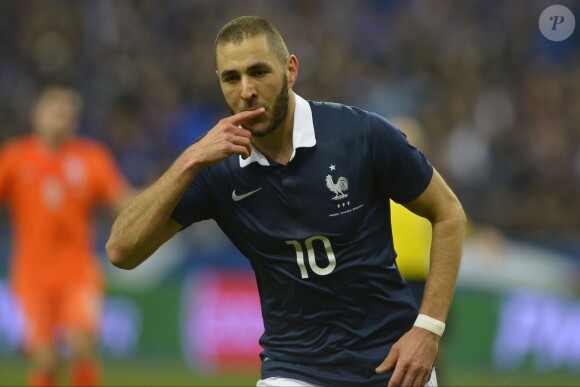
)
(317, 233)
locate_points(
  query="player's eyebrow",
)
(226, 73)
(254, 67)
(259, 66)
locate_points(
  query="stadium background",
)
(500, 105)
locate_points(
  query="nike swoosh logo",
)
(237, 198)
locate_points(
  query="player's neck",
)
(278, 146)
(52, 143)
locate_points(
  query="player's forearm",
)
(446, 250)
(137, 231)
(144, 224)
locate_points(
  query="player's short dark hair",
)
(245, 27)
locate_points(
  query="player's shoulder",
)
(335, 120)
(18, 142)
(333, 115)
(334, 110)
(18, 145)
(90, 146)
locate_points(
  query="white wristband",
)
(430, 324)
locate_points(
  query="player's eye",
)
(259, 73)
(230, 79)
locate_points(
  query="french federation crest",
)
(337, 188)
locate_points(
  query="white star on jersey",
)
(332, 167)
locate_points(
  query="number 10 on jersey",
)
(309, 244)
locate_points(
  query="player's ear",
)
(292, 70)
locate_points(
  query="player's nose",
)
(248, 91)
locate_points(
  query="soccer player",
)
(51, 181)
(302, 188)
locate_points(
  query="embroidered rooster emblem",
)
(337, 188)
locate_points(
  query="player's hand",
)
(413, 357)
(225, 139)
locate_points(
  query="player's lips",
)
(258, 118)
(254, 108)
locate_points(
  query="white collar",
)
(302, 133)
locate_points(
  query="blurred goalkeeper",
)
(302, 188)
(52, 181)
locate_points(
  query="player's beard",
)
(279, 111)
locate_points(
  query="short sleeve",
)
(6, 168)
(112, 183)
(196, 203)
(401, 171)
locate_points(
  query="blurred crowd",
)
(498, 102)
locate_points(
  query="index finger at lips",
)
(239, 118)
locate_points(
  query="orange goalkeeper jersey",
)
(50, 195)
